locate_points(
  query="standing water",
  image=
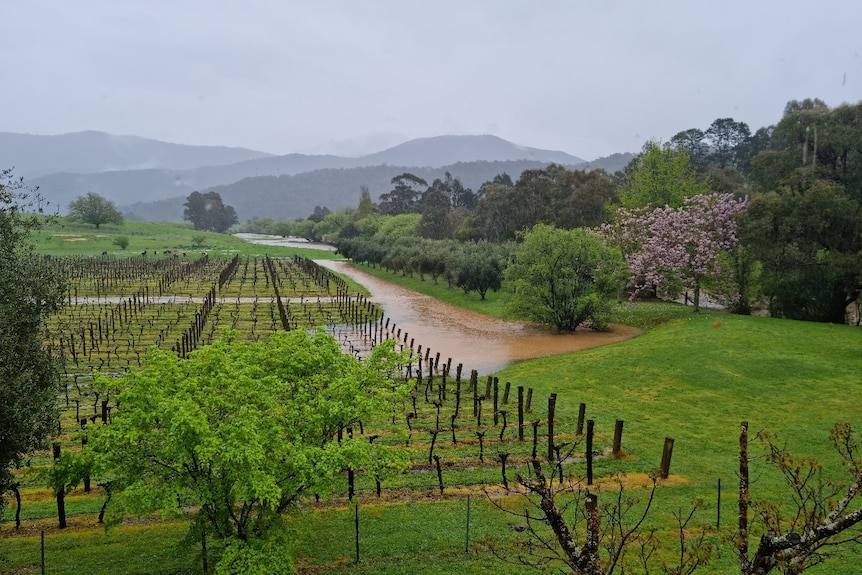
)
(479, 342)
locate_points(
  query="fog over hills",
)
(91, 151)
(150, 179)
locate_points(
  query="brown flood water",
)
(479, 342)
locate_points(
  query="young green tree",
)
(366, 204)
(31, 288)
(236, 432)
(565, 277)
(121, 241)
(94, 209)
(660, 176)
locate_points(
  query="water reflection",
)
(479, 342)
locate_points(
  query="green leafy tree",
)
(31, 288)
(804, 221)
(404, 197)
(121, 241)
(366, 204)
(660, 176)
(728, 140)
(565, 277)
(435, 223)
(480, 268)
(237, 432)
(810, 248)
(399, 226)
(94, 209)
(208, 212)
(692, 142)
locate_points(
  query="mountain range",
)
(150, 179)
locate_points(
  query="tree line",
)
(787, 198)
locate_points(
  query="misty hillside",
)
(127, 186)
(86, 152)
(289, 197)
(446, 150)
(295, 196)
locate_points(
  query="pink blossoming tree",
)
(673, 248)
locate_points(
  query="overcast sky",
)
(354, 76)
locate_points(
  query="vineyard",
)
(465, 435)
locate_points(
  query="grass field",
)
(75, 238)
(692, 377)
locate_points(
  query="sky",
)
(349, 77)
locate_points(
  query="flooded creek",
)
(477, 341)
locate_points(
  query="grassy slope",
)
(694, 377)
(72, 238)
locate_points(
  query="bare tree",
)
(822, 511)
(603, 539)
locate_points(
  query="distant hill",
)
(611, 164)
(127, 186)
(288, 197)
(88, 152)
(150, 179)
(445, 150)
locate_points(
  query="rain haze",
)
(346, 77)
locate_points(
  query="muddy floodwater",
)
(479, 342)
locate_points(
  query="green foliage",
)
(366, 204)
(661, 176)
(565, 277)
(552, 195)
(479, 267)
(121, 241)
(255, 557)
(805, 222)
(208, 212)
(404, 197)
(31, 289)
(809, 244)
(94, 209)
(238, 431)
(399, 226)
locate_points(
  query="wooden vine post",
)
(552, 407)
(520, 413)
(667, 452)
(60, 492)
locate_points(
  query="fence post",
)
(520, 413)
(61, 500)
(552, 406)
(665, 457)
(590, 427)
(582, 410)
(618, 437)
